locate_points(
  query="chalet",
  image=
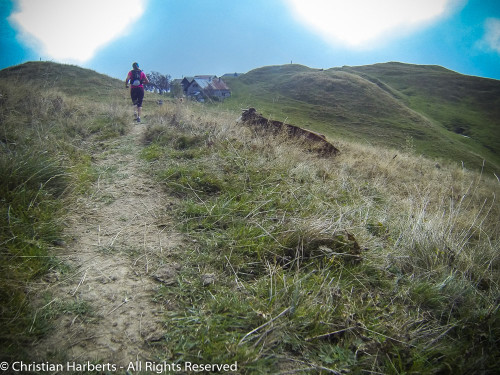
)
(206, 87)
(185, 82)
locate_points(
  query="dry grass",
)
(46, 140)
(373, 260)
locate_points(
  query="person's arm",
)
(127, 79)
(145, 78)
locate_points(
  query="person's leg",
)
(133, 96)
(140, 97)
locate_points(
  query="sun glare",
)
(359, 23)
(73, 30)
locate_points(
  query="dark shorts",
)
(137, 95)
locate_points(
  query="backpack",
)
(135, 79)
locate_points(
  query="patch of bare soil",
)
(118, 242)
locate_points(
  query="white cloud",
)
(73, 30)
(361, 23)
(491, 36)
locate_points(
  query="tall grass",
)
(46, 144)
(31, 184)
(374, 260)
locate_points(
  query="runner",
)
(137, 78)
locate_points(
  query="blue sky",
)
(185, 38)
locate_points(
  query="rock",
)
(208, 278)
(59, 243)
(51, 277)
(167, 274)
(154, 336)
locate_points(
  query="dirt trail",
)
(118, 242)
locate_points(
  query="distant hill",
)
(437, 112)
(428, 109)
(70, 79)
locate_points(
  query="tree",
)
(176, 89)
(158, 81)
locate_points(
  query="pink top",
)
(143, 78)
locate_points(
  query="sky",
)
(200, 37)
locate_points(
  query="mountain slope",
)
(440, 113)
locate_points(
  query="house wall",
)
(222, 93)
(209, 91)
(193, 89)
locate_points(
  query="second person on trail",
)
(137, 78)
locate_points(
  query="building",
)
(203, 87)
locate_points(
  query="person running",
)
(137, 78)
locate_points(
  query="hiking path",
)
(118, 239)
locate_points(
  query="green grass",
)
(50, 126)
(363, 262)
(382, 105)
(70, 80)
(325, 265)
(31, 185)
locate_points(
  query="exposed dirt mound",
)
(316, 142)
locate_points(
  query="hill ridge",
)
(336, 104)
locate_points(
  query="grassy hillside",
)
(52, 118)
(466, 105)
(325, 265)
(68, 79)
(290, 263)
(440, 113)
